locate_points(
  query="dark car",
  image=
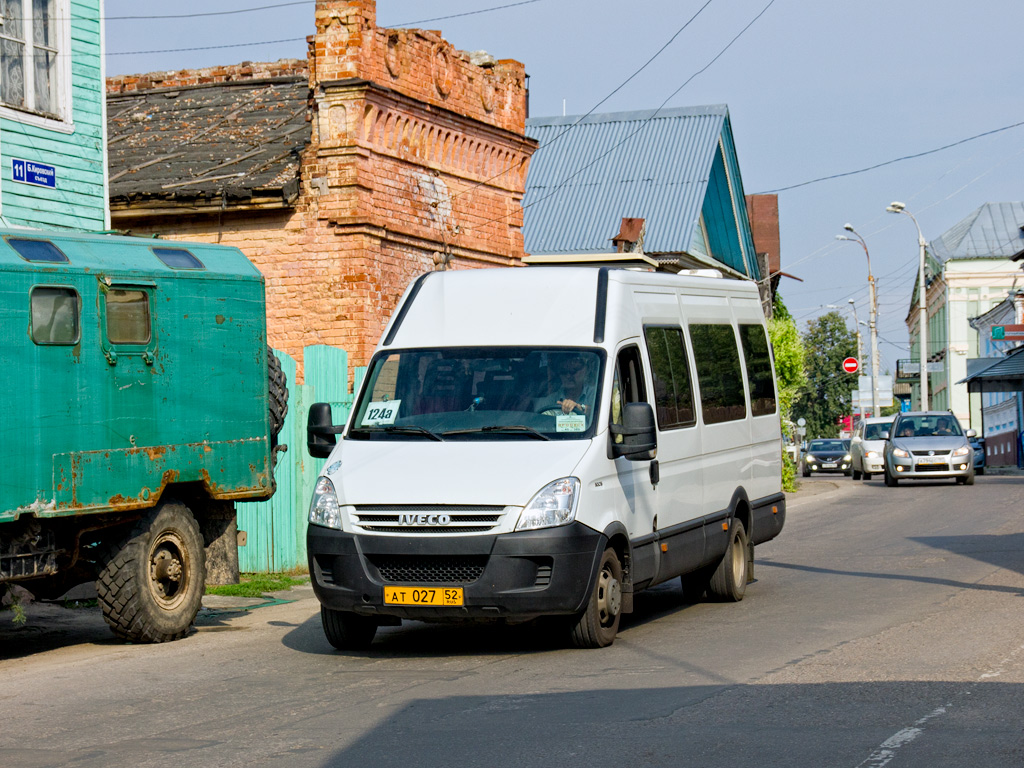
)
(827, 456)
(978, 444)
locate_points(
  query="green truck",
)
(140, 403)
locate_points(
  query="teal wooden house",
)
(676, 169)
(52, 145)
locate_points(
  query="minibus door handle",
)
(655, 473)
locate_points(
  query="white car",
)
(867, 445)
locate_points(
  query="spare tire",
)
(277, 395)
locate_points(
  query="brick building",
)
(385, 154)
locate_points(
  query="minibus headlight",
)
(555, 504)
(871, 455)
(324, 508)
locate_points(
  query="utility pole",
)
(872, 316)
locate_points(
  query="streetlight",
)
(872, 318)
(922, 306)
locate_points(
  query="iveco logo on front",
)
(407, 519)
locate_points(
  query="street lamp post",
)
(922, 304)
(872, 317)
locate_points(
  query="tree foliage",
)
(788, 349)
(826, 396)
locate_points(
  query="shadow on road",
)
(1003, 551)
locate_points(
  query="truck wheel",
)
(729, 581)
(278, 395)
(152, 582)
(348, 631)
(597, 626)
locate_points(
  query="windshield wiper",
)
(500, 428)
(410, 429)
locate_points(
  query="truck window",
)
(178, 258)
(718, 373)
(55, 313)
(673, 393)
(36, 250)
(127, 313)
(759, 370)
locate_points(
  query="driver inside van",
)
(572, 388)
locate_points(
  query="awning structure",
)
(1002, 374)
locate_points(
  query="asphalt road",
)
(886, 627)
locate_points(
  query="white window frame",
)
(63, 121)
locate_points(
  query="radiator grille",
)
(429, 569)
(930, 453)
(427, 519)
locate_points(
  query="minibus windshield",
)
(480, 393)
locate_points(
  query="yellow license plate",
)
(423, 596)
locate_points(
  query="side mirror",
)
(639, 435)
(320, 431)
(885, 435)
(972, 433)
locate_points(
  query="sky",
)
(814, 89)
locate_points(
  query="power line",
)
(644, 124)
(895, 160)
(593, 108)
(282, 40)
(467, 13)
(208, 13)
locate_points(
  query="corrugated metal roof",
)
(991, 231)
(652, 165)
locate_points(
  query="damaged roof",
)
(228, 141)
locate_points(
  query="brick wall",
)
(417, 161)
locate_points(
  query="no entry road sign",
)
(850, 365)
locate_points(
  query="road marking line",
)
(886, 751)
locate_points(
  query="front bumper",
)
(512, 575)
(913, 468)
(828, 466)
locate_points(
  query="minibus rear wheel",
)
(599, 623)
(348, 631)
(729, 581)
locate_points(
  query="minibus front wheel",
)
(599, 623)
(348, 631)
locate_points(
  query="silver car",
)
(927, 445)
(867, 446)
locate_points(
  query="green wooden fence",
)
(276, 529)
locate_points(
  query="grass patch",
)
(258, 584)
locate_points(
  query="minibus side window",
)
(718, 373)
(670, 370)
(759, 370)
(628, 384)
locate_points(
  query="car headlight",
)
(846, 457)
(900, 453)
(871, 455)
(963, 450)
(324, 508)
(810, 458)
(555, 504)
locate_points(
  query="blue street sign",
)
(31, 172)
